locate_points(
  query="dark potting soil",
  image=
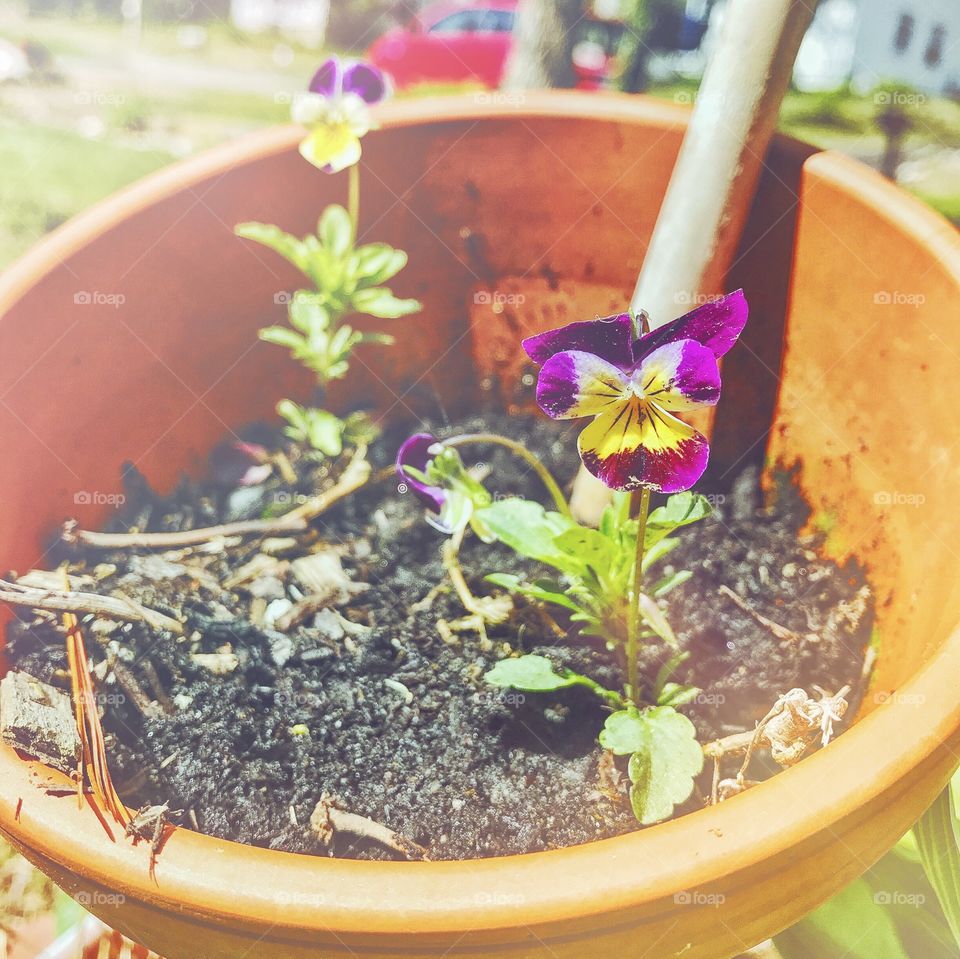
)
(381, 703)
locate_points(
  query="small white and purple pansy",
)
(336, 112)
(413, 457)
(633, 385)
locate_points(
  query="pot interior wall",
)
(140, 346)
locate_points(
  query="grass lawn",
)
(49, 175)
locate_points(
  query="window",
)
(933, 55)
(463, 21)
(904, 34)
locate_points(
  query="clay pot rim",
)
(219, 881)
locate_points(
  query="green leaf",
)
(681, 509)
(624, 732)
(590, 545)
(536, 674)
(335, 230)
(669, 667)
(375, 263)
(288, 246)
(676, 694)
(320, 428)
(665, 758)
(533, 674)
(853, 924)
(307, 313)
(282, 336)
(542, 590)
(653, 554)
(938, 836)
(380, 302)
(358, 427)
(530, 530)
(670, 582)
(656, 619)
(325, 432)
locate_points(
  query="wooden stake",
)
(716, 174)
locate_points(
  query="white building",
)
(306, 18)
(916, 42)
(913, 42)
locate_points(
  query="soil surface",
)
(378, 699)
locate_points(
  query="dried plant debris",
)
(311, 662)
(38, 719)
(796, 723)
(152, 824)
(329, 822)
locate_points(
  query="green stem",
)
(520, 450)
(353, 200)
(633, 624)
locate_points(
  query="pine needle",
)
(93, 764)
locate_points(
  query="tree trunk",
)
(542, 53)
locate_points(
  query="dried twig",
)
(327, 820)
(298, 520)
(781, 632)
(69, 601)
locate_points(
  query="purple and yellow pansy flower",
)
(336, 112)
(633, 385)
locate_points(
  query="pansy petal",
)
(415, 452)
(680, 376)
(715, 325)
(610, 338)
(328, 78)
(331, 148)
(366, 81)
(575, 383)
(632, 446)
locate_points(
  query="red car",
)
(454, 42)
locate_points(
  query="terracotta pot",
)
(559, 194)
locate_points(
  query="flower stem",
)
(353, 200)
(520, 450)
(642, 501)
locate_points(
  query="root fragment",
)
(328, 819)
